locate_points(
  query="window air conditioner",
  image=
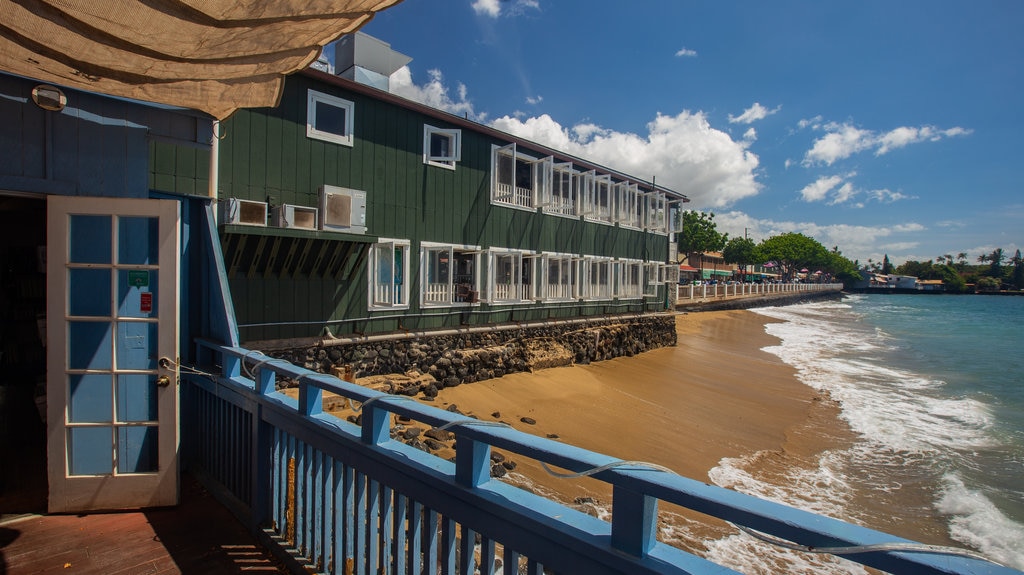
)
(245, 212)
(342, 210)
(289, 216)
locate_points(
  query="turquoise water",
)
(933, 388)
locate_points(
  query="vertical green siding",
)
(265, 153)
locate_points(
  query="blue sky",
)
(881, 127)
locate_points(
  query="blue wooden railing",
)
(340, 498)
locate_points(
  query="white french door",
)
(112, 351)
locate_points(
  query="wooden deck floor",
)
(197, 537)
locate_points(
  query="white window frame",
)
(652, 278)
(670, 273)
(562, 291)
(629, 205)
(593, 209)
(395, 295)
(447, 291)
(595, 269)
(455, 147)
(561, 189)
(657, 216)
(507, 193)
(519, 289)
(629, 279)
(312, 99)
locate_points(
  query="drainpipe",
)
(214, 167)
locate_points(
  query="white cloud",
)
(814, 123)
(845, 193)
(844, 140)
(683, 152)
(491, 8)
(686, 53)
(887, 196)
(752, 114)
(534, 100)
(494, 8)
(750, 135)
(856, 242)
(819, 189)
(434, 93)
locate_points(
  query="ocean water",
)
(932, 389)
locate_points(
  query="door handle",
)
(163, 381)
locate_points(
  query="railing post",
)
(261, 447)
(375, 424)
(472, 462)
(634, 521)
(310, 399)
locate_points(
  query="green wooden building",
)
(347, 210)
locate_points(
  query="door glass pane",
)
(137, 450)
(138, 240)
(89, 345)
(136, 397)
(136, 345)
(131, 287)
(89, 398)
(89, 292)
(90, 451)
(89, 239)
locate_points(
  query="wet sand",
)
(715, 395)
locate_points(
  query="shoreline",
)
(715, 395)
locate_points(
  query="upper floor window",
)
(560, 190)
(515, 178)
(596, 196)
(629, 205)
(441, 147)
(389, 268)
(329, 118)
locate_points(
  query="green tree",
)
(961, 261)
(995, 265)
(988, 284)
(1017, 277)
(699, 235)
(742, 251)
(793, 251)
(886, 266)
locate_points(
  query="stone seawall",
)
(749, 301)
(454, 357)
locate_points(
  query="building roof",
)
(210, 55)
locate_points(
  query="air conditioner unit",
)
(342, 210)
(299, 217)
(245, 212)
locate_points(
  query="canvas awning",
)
(686, 268)
(210, 55)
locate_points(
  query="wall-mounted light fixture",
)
(49, 97)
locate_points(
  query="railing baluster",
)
(467, 544)
(400, 522)
(386, 533)
(449, 530)
(487, 556)
(372, 525)
(430, 524)
(415, 542)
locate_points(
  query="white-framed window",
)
(652, 277)
(656, 218)
(441, 147)
(596, 196)
(629, 279)
(670, 273)
(449, 274)
(388, 274)
(560, 195)
(510, 277)
(559, 277)
(516, 178)
(629, 205)
(597, 278)
(329, 118)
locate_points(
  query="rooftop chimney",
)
(367, 60)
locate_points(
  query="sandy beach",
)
(714, 395)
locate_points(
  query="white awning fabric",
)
(210, 55)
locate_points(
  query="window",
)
(597, 278)
(511, 276)
(389, 268)
(652, 278)
(441, 148)
(329, 118)
(596, 194)
(629, 205)
(450, 275)
(559, 277)
(560, 185)
(656, 219)
(515, 178)
(630, 279)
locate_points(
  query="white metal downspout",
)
(214, 167)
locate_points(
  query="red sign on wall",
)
(146, 302)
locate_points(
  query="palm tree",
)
(961, 259)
